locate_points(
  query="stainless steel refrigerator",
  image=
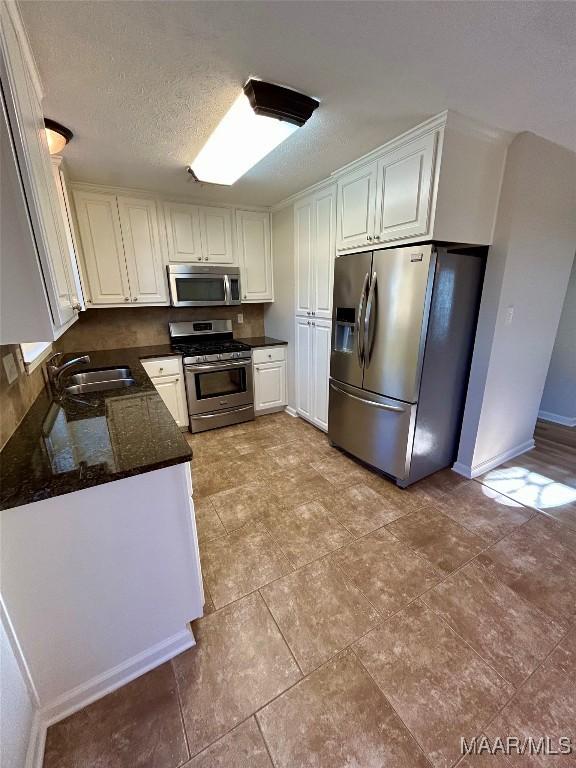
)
(403, 329)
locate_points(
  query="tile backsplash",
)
(142, 326)
(17, 397)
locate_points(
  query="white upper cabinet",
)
(356, 201)
(139, 226)
(253, 236)
(314, 252)
(303, 254)
(101, 237)
(216, 233)
(121, 245)
(25, 148)
(439, 181)
(324, 251)
(199, 233)
(183, 232)
(404, 190)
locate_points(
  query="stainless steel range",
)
(218, 373)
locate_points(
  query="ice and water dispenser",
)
(345, 329)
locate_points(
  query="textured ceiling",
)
(142, 84)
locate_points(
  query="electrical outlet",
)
(509, 315)
(240, 318)
(10, 367)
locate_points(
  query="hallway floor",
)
(349, 623)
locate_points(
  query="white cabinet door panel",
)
(183, 232)
(139, 225)
(101, 237)
(304, 250)
(253, 236)
(304, 404)
(270, 386)
(356, 198)
(404, 189)
(322, 333)
(324, 251)
(216, 233)
(170, 389)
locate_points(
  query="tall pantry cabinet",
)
(314, 252)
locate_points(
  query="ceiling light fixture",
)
(259, 120)
(57, 135)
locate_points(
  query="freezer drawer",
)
(375, 429)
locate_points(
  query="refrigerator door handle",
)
(359, 335)
(367, 343)
(382, 406)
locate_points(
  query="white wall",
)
(559, 399)
(528, 269)
(279, 316)
(17, 706)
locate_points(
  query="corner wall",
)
(279, 316)
(527, 276)
(559, 399)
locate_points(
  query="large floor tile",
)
(538, 561)
(337, 718)
(296, 453)
(237, 506)
(137, 726)
(241, 748)
(306, 532)
(319, 612)
(240, 663)
(388, 572)
(211, 478)
(510, 633)
(240, 562)
(436, 486)
(483, 511)
(438, 686)
(543, 706)
(340, 470)
(208, 524)
(444, 543)
(296, 486)
(361, 509)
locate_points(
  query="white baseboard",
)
(566, 421)
(291, 411)
(100, 686)
(485, 466)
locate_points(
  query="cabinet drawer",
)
(161, 366)
(269, 354)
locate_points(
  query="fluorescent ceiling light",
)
(260, 119)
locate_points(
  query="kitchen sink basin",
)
(97, 381)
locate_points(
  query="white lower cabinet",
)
(269, 365)
(168, 377)
(313, 339)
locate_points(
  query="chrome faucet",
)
(55, 372)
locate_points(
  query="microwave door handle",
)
(227, 291)
(369, 338)
(360, 345)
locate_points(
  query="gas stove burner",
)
(210, 347)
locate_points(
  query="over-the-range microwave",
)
(196, 286)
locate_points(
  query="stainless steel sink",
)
(97, 381)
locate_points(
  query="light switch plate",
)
(10, 367)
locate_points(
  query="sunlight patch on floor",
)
(529, 488)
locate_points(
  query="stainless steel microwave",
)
(196, 286)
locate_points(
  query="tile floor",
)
(349, 623)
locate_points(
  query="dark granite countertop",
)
(262, 341)
(80, 441)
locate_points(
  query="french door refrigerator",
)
(403, 330)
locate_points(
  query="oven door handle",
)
(216, 366)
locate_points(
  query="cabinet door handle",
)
(368, 237)
(376, 237)
(199, 258)
(126, 298)
(135, 298)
